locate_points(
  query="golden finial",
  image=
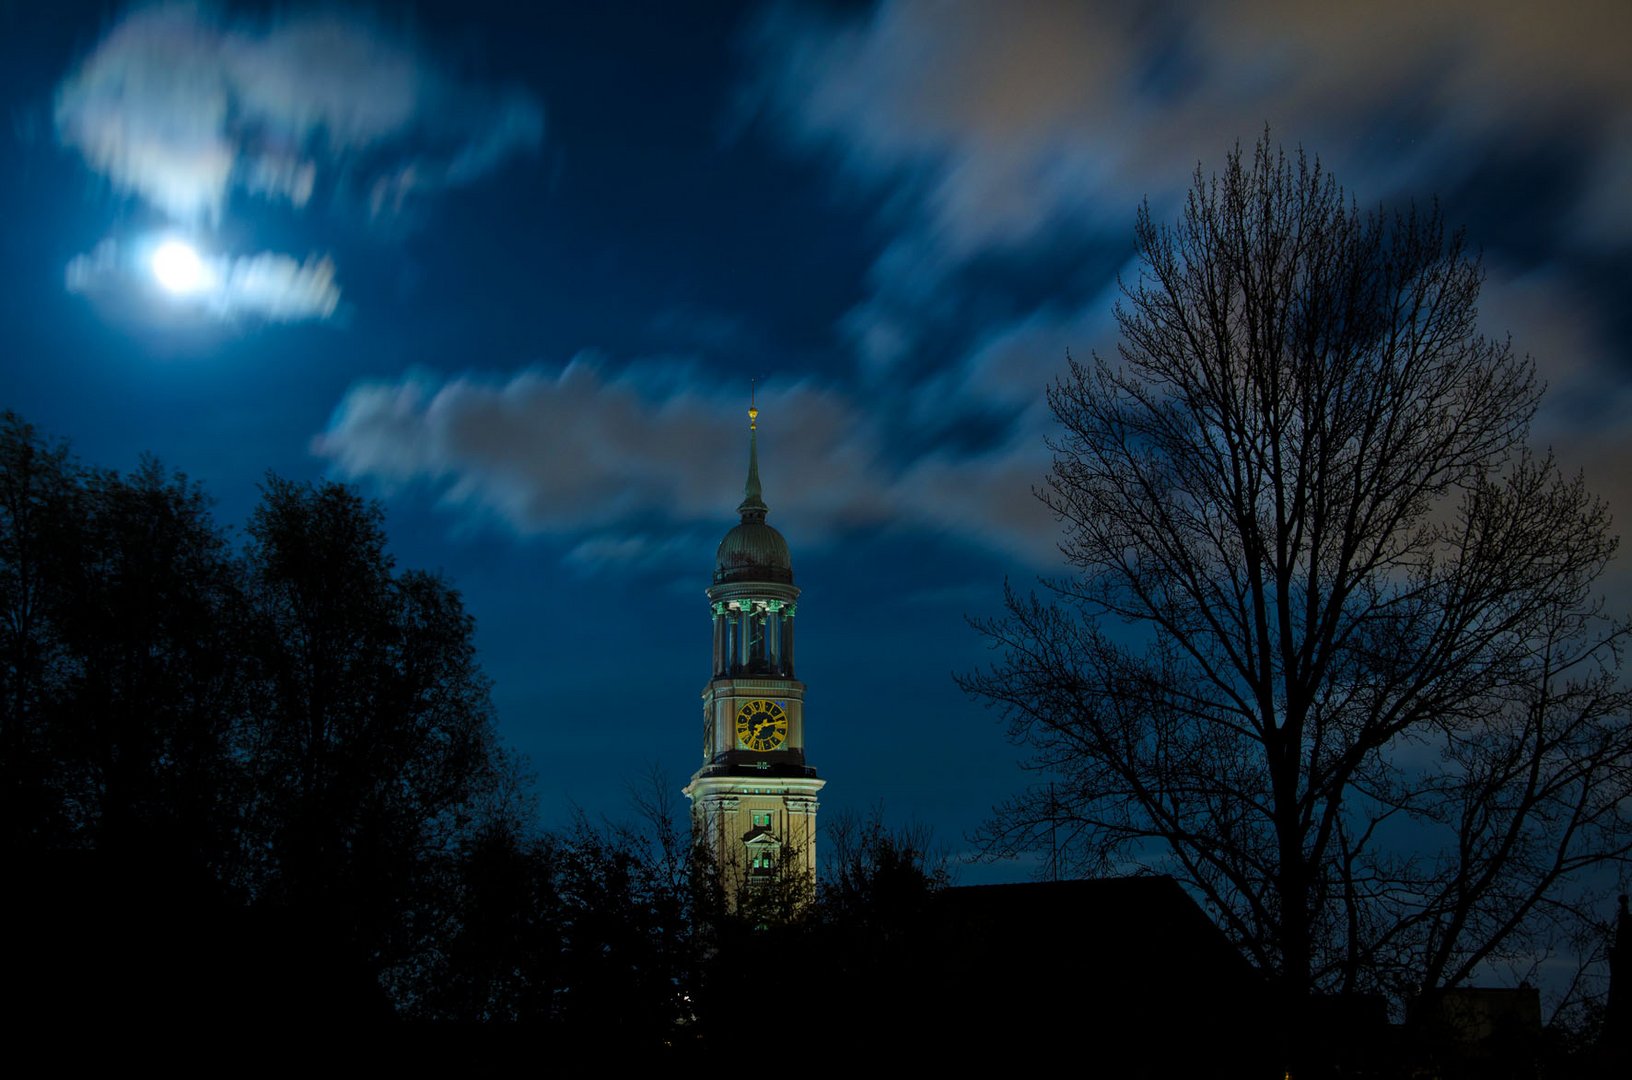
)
(752, 503)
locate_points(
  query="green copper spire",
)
(753, 507)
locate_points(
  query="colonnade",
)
(753, 637)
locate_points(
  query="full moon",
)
(178, 268)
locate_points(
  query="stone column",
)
(773, 636)
(787, 645)
(719, 651)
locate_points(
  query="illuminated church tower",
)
(754, 799)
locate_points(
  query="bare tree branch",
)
(1330, 649)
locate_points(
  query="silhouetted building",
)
(1616, 1040)
(1079, 974)
(1480, 1016)
(1137, 950)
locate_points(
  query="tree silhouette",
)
(369, 740)
(879, 879)
(245, 787)
(148, 711)
(120, 682)
(500, 958)
(121, 689)
(1329, 650)
(40, 512)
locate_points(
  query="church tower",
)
(753, 801)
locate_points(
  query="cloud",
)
(563, 451)
(640, 549)
(268, 287)
(987, 498)
(609, 459)
(1009, 118)
(180, 105)
(1006, 128)
(1009, 133)
(277, 288)
(1583, 417)
(983, 109)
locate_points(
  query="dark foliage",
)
(234, 783)
(368, 741)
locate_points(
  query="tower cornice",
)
(753, 590)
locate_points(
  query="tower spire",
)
(753, 799)
(753, 506)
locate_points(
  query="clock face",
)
(762, 725)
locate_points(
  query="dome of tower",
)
(753, 551)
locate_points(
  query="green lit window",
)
(762, 821)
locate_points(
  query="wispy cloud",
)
(1003, 128)
(182, 106)
(985, 133)
(179, 104)
(1008, 133)
(601, 456)
(1009, 119)
(573, 449)
(268, 287)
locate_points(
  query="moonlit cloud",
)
(583, 452)
(1001, 128)
(182, 106)
(1010, 118)
(1012, 132)
(179, 104)
(579, 448)
(992, 133)
(278, 288)
(266, 287)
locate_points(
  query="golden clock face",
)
(762, 725)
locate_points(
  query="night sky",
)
(510, 268)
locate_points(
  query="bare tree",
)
(1330, 649)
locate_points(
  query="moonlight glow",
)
(178, 268)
